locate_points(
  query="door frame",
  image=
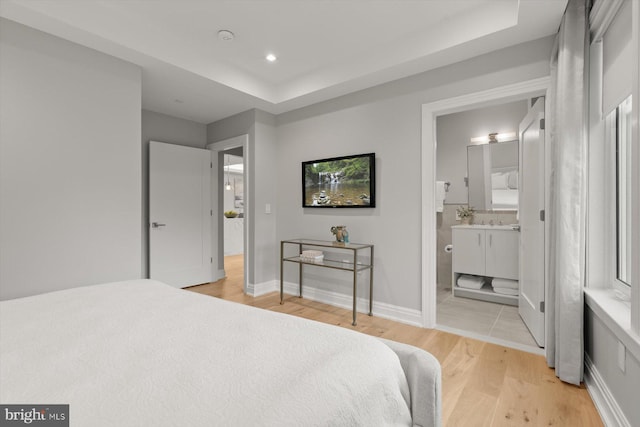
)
(218, 149)
(430, 112)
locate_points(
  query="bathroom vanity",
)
(491, 251)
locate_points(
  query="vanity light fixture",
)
(494, 137)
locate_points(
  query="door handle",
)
(157, 225)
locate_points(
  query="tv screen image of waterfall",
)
(339, 182)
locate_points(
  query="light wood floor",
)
(483, 384)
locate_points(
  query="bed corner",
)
(424, 377)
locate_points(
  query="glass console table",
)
(352, 266)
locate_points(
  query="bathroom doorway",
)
(476, 163)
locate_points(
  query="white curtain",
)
(567, 213)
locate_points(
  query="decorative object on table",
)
(340, 231)
(465, 213)
(339, 182)
(231, 214)
(312, 256)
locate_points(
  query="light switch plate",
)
(267, 208)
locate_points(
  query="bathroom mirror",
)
(492, 171)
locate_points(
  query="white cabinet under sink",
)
(469, 250)
(489, 251)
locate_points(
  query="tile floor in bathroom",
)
(482, 318)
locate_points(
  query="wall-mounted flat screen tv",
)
(340, 182)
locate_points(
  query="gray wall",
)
(601, 345)
(386, 120)
(453, 134)
(230, 127)
(70, 165)
(261, 187)
(264, 190)
(172, 130)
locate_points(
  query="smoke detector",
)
(225, 35)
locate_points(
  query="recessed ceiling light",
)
(271, 57)
(225, 35)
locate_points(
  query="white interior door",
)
(179, 214)
(531, 206)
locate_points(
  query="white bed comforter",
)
(141, 353)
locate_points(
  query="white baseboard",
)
(610, 412)
(258, 289)
(219, 274)
(380, 309)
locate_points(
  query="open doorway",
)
(232, 193)
(430, 112)
(478, 167)
(233, 214)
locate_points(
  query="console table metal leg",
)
(355, 281)
(281, 272)
(300, 271)
(371, 283)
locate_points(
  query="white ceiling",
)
(325, 48)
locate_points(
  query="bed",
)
(504, 199)
(140, 353)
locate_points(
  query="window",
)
(614, 190)
(623, 191)
(618, 124)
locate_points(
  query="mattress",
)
(143, 353)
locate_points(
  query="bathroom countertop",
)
(488, 226)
